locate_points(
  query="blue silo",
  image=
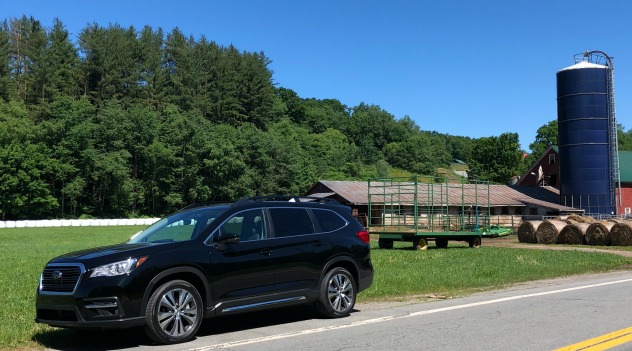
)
(584, 137)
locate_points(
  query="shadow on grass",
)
(430, 248)
(96, 340)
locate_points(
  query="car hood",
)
(114, 252)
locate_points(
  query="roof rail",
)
(286, 198)
(202, 204)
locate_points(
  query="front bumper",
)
(69, 311)
(105, 302)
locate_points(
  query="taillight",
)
(364, 236)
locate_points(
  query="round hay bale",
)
(581, 219)
(549, 231)
(573, 234)
(621, 234)
(526, 232)
(598, 233)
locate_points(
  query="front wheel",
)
(174, 313)
(337, 293)
(420, 243)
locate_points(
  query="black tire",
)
(385, 243)
(337, 293)
(420, 243)
(475, 242)
(441, 243)
(178, 305)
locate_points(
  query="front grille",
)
(60, 278)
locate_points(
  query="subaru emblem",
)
(56, 275)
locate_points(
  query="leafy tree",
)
(496, 159)
(371, 128)
(37, 70)
(624, 138)
(422, 153)
(318, 115)
(179, 70)
(255, 90)
(67, 129)
(330, 152)
(151, 77)
(62, 63)
(23, 191)
(460, 147)
(5, 68)
(546, 136)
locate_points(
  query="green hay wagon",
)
(422, 208)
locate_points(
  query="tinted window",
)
(248, 225)
(291, 221)
(329, 220)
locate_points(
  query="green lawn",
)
(399, 272)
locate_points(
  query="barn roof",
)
(357, 193)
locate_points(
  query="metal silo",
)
(589, 169)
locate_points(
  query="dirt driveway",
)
(512, 241)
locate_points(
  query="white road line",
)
(388, 318)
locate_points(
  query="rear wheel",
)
(385, 243)
(441, 243)
(337, 293)
(475, 242)
(174, 313)
(420, 243)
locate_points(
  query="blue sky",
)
(472, 68)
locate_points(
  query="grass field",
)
(399, 273)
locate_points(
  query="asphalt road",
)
(544, 315)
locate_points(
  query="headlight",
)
(118, 268)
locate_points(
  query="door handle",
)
(266, 252)
(317, 243)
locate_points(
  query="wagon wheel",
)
(441, 243)
(475, 242)
(420, 243)
(385, 243)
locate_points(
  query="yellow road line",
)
(603, 342)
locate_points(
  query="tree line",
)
(133, 122)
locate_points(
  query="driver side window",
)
(247, 225)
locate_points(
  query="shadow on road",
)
(96, 340)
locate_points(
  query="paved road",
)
(544, 315)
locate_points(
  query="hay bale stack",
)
(581, 219)
(549, 231)
(598, 233)
(621, 234)
(526, 232)
(573, 234)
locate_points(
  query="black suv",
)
(212, 260)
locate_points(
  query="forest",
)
(128, 122)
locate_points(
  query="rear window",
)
(329, 220)
(291, 222)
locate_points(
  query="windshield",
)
(181, 226)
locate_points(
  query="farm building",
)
(548, 163)
(507, 205)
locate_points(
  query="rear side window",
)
(291, 222)
(329, 220)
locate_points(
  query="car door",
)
(299, 251)
(242, 270)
